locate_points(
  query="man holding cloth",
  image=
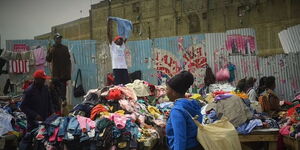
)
(117, 49)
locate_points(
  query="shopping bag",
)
(220, 135)
(78, 89)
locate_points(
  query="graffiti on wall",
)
(192, 59)
(240, 44)
(128, 57)
(166, 62)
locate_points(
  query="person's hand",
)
(281, 103)
(38, 118)
(64, 104)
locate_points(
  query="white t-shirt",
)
(252, 95)
(118, 56)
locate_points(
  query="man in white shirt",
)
(117, 52)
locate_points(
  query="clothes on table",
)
(247, 127)
(222, 96)
(221, 87)
(237, 116)
(5, 122)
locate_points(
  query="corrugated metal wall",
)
(290, 39)
(284, 67)
(84, 54)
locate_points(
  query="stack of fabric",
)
(290, 122)
(117, 117)
(12, 120)
(223, 101)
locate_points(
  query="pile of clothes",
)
(117, 117)
(12, 120)
(225, 101)
(290, 122)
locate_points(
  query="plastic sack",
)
(223, 75)
(220, 135)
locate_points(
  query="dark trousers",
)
(61, 86)
(121, 76)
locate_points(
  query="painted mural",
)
(192, 59)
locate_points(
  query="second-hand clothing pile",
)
(115, 117)
(12, 121)
(236, 106)
(290, 122)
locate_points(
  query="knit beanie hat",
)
(181, 82)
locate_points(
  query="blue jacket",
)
(181, 129)
(124, 26)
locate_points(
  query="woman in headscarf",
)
(181, 129)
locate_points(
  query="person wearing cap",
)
(59, 57)
(37, 102)
(181, 130)
(117, 51)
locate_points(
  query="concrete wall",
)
(164, 18)
(46, 36)
(74, 30)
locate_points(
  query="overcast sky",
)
(24, 19)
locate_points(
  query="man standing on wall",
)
(59, 57)
(117, 51)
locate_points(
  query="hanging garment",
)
(8, 87)
(19, 66)
(124, 26)
(40, 58)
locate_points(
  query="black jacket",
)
(36, 102)
(59, 57)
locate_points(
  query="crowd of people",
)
(122, 115)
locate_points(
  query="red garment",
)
(292, 110)
(216, 93)
(110, 79)
(96, 110)
(114, 94)
(151, 87)
(19, 66)
(26, 84)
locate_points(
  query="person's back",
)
(268, 100)
(182, 123)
